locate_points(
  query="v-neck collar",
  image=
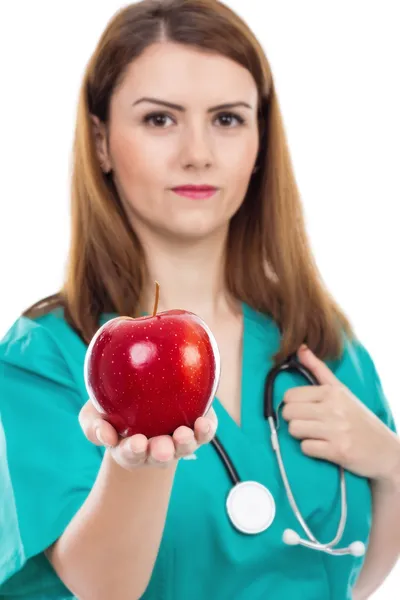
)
(260, 342)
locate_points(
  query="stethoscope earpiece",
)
(292, 538)
(357, 549)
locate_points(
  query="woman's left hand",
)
(335, 425)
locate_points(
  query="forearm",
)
(384, 547)
(110, 547)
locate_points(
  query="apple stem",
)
(156, 299)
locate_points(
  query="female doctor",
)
(179, 93)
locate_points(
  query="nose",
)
(197, 147)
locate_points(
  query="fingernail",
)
(185, 441)
(303, 348)
(99, 437)
(135, 450)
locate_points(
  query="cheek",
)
(137, 159)
(131, 164)
(240, 158)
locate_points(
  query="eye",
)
(227, 118)
(157, 119)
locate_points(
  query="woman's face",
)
(154, 147)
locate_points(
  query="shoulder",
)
(357, 370)
(41, 329)
(46, 346)
(355, 363)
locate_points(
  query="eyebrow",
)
(183, 109)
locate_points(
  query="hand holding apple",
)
(137, 451)
(154, 374)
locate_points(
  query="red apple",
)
(152, 374)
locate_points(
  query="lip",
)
(197, 192)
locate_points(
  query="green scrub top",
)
(47, 469)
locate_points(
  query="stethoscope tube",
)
(233, 474)
(291, 365)
(290, 537)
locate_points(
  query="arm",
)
(109, 548)
(384, 547)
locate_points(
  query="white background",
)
(336, 67)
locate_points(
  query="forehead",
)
(175, 71)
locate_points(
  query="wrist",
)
(144, 472)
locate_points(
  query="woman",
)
(179, 93)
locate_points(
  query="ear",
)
(100, 137)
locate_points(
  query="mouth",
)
(197, 192)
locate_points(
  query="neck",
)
(191, 276)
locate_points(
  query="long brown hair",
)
(269, 265)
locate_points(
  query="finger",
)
(304, 410)
(318, 449)
(205, 429)
(211, 414)
(96, 429)
(306, 393)
(184, 441)
(315, 430)
(87, 417)
(321, 371)
(105, 434)
(161, 450)
(132, 451)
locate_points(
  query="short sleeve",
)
(47, 467)
(379, 401)
(9, 530)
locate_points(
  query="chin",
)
(192, 232)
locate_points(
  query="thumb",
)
(96, 429)
(317, 367)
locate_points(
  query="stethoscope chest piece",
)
(251, 507)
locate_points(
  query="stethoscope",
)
(250, 505)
